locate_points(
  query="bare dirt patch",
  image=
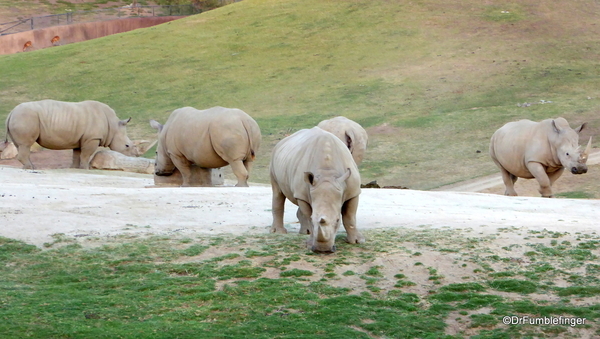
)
(46, 159)
(43, 202)
(588, 183)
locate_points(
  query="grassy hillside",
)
(431, 80)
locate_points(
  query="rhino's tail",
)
(251, 130)
(6, 128)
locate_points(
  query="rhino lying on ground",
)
(210, 138)
(81, 126)
(350, 133)
(7, 150)
(314, 170)
(540, 150)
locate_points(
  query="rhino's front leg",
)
(277, 207)
(87, 150)
(555, 175)
(539, 173)
(76, 158)
(304, 214)
(184, 167)
(349, 219)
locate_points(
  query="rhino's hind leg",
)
(240, 172)
(349, 219)
(277, 208)
(248, 165)
(539, 173)
(509, 181)
(23, 156)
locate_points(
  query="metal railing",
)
(96, 15)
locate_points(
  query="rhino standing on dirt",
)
(540, 150)
(314, 170)
(210, 138)
(81, 126)
(350, 133)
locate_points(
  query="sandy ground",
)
(493, 183)
(34, 205)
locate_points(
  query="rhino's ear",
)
(124, 122)
(309, 178)
(349, 141)
(156, 125)
(556, 129)
(345, 176)
(580, 128)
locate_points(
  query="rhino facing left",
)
(80, 126)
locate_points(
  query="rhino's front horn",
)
(588, 149)
(320, 234)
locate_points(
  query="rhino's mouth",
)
(163, 173)
(324, 251)
(579, 170)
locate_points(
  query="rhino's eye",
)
(126, 145)
(567, 153)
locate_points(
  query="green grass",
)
(442, 76)
(576, 195)
(295, 273)
(232, 287)
(513, 285)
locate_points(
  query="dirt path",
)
(493, 183)
(35, 205)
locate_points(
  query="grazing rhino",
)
(210, 138)
(314, 170)
(350, 133)
(81, 126)
(540, 150)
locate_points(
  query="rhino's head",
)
(326, 193)
(121, 142)
(142, 146)
(568, 151)
(163, 165)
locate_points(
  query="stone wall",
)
(41, 38)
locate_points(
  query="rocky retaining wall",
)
(42, 38)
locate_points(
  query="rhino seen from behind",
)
(350, 133)
(210, 138)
